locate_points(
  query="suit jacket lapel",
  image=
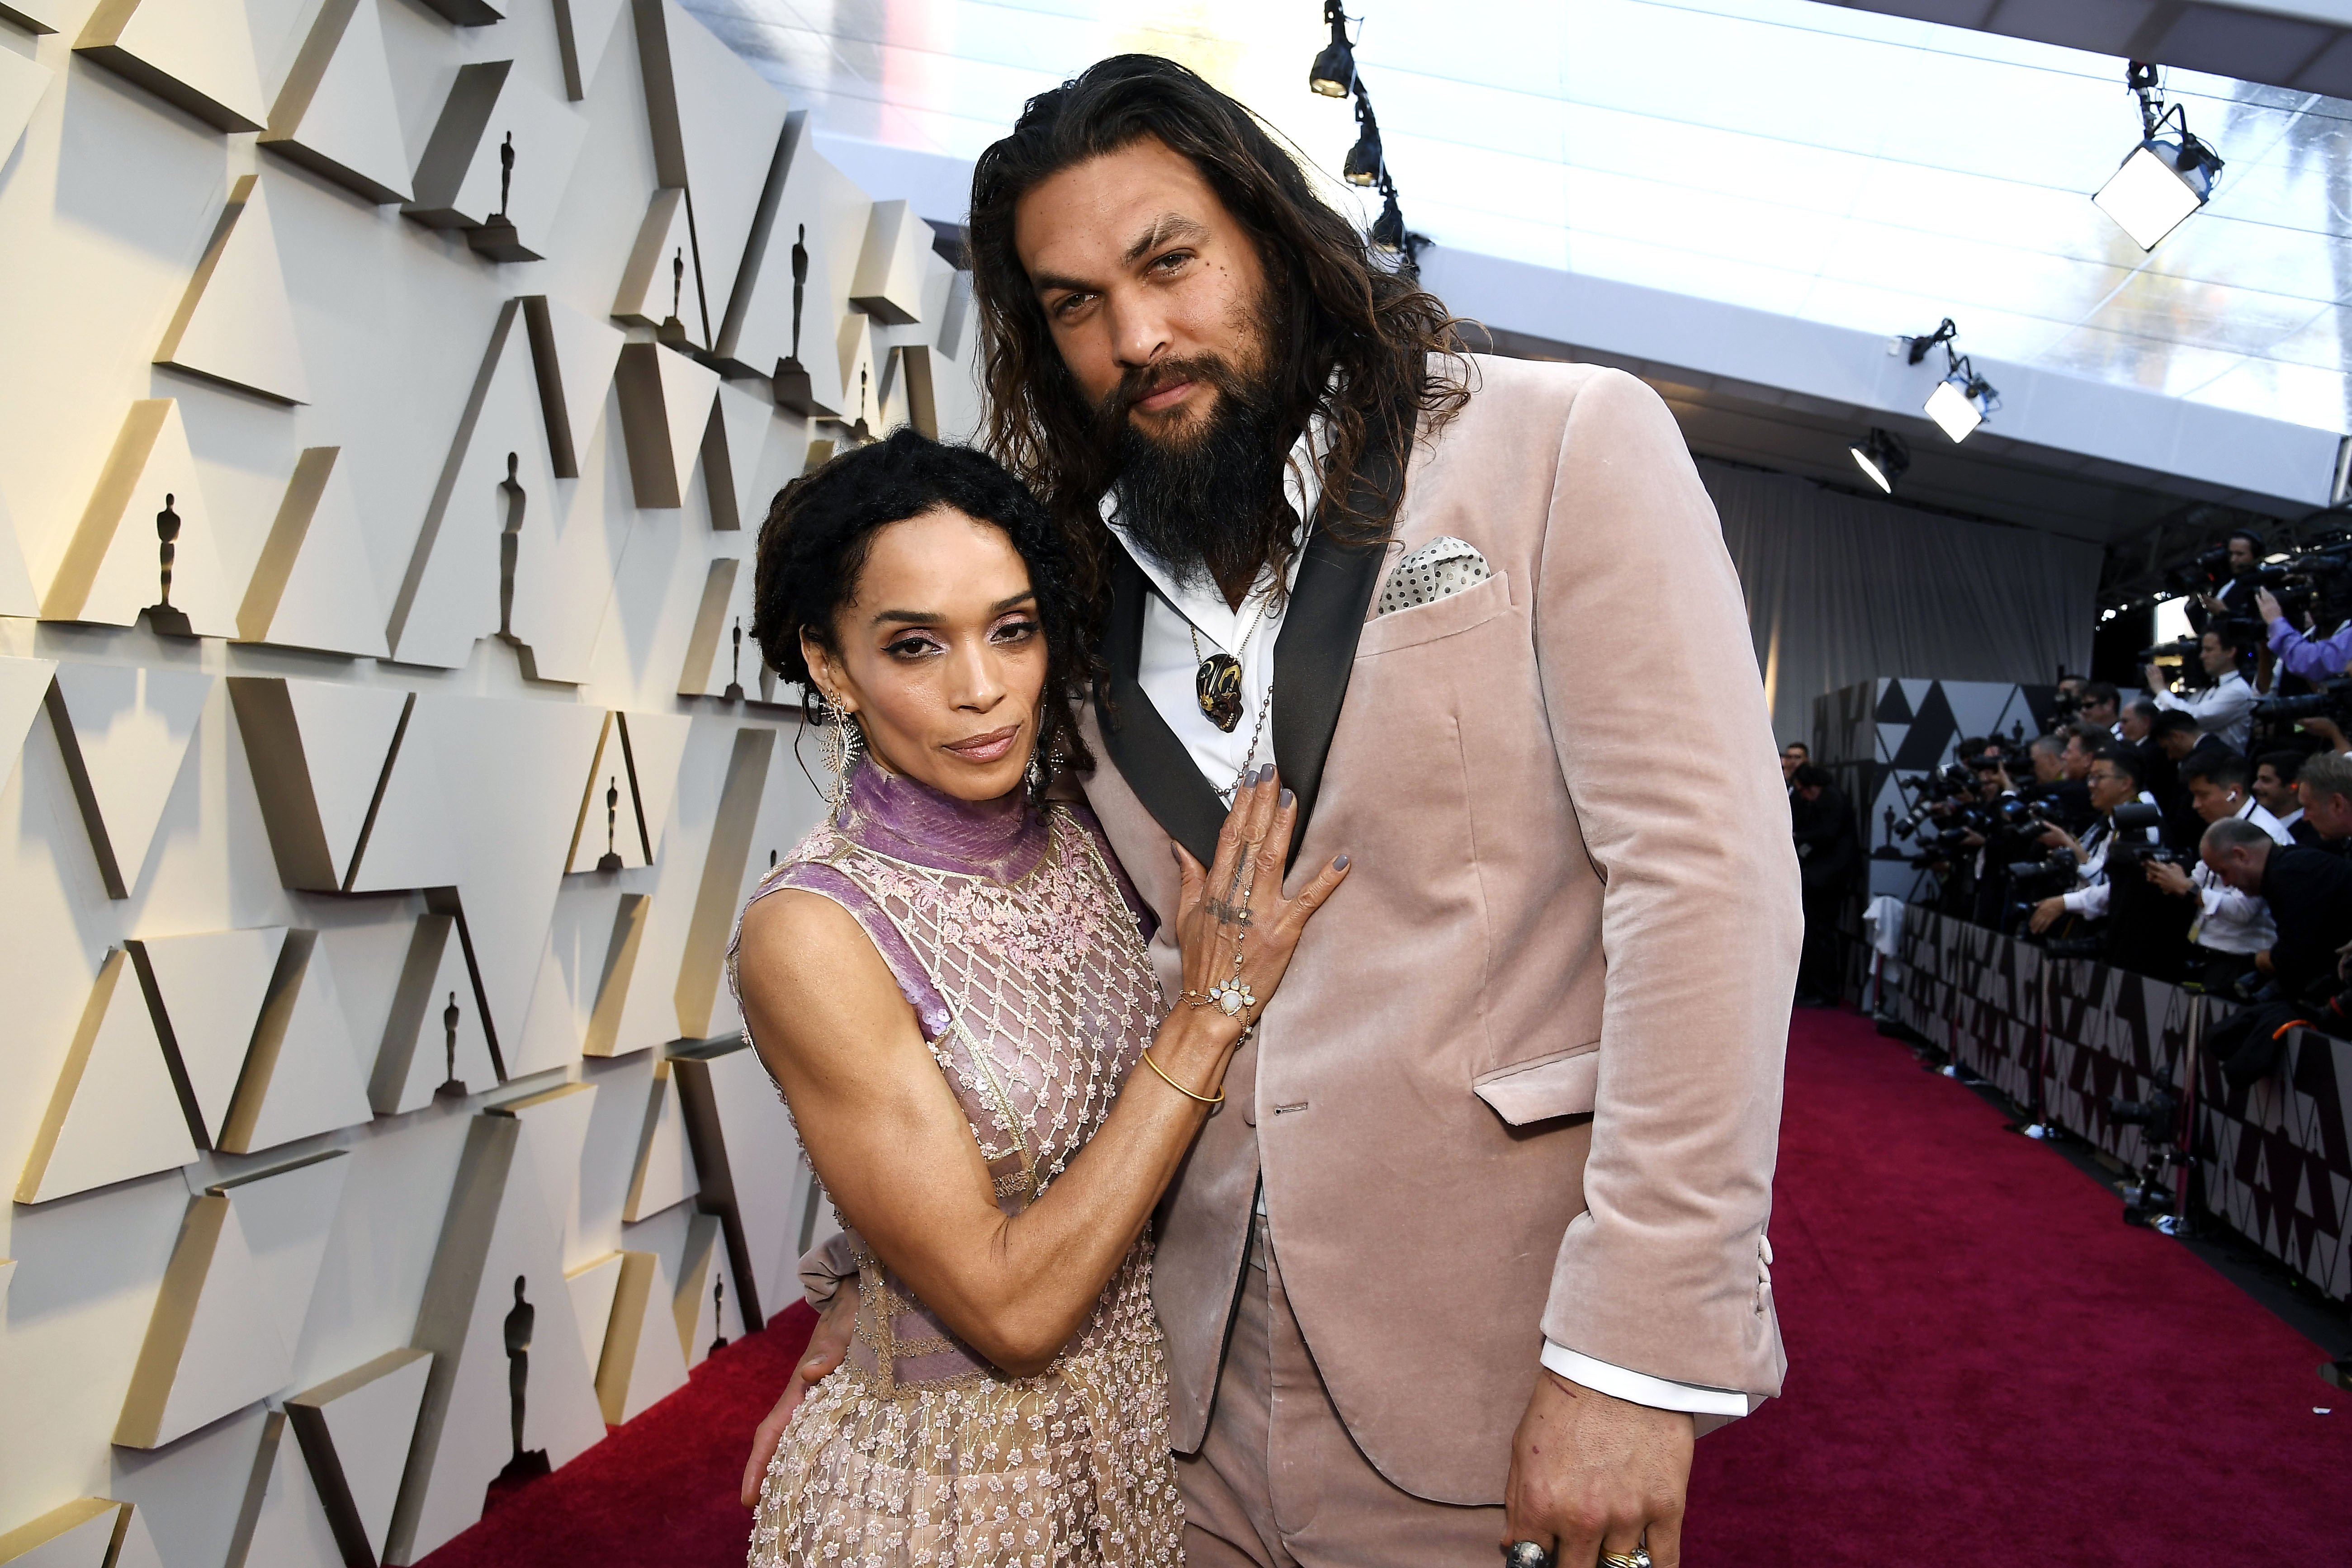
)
(1316, 649)
(1154, 763)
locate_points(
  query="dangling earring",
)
(1041, 763)
(843, 742)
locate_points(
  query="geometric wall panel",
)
(82, 1534)
(664, 1176)
(112, 568)
(336, 115)
(715, 124)
(235, 323)
(511, 772)
(642, 1361)
(290, 1522)
(756, 333)
(720, 896)
(434, 1035)
(573, 355)
(861, 407)
(124, 731)
(354, 1432)
(749, 1162)
(607, 830)
(318, 752)
(412, 839)
(214, 1344)
(890, 282)
(287, 1213)
(114, 1113)
(655, 745)
(300, 1076)
(604, 1036)
(35, 17)
(591, 1285)
(496, 1312)
(733, 441)
(555, 1137)
(703, 1306)
(197, 53)
(22, 83)
(451, 152)
(313, 587)
(496, 481)
(23, 688)
(206, 992)
(666, 400)
(583, 30)
(16, 594)
(695, 677)
(656, 284)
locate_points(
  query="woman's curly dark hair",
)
(820, 527)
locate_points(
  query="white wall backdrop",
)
(355, 946)
(1843, 590)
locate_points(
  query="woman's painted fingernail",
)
(1340, 864)
(1285, 800)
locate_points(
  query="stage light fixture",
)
(1334, 72)
(1883, 456)
(2164, 179)
(1963, 398)
(1364, 165)
(1387, 229)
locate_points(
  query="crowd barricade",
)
(2276, 1161)
(2062, 1037)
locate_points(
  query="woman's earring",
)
(1040, 762)
(843, 741)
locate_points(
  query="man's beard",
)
(1209, 499)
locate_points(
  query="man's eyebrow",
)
(1166, 227)
(925, 617)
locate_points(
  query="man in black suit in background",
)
(1828, 853)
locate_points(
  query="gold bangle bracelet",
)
(1179, 1089)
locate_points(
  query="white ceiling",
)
(1827, 164)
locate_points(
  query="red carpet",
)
(1987, 1367)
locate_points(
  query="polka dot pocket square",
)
(1438, 570)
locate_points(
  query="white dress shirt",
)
(2090, 900)
(2224, 708)
(2231, 921)
(1165, 669)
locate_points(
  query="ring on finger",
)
(1637, 1558)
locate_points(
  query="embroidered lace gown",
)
(1011, 935)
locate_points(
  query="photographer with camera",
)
(2309, 892)
(2228, 928)
(2116, 782)
(2226, 578)
(2298, 652)
(2222, 709)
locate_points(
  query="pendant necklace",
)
(1218, 680)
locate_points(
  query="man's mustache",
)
(1141, 382)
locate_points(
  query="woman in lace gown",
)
(946, 981)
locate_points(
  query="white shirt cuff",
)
(1640, 1389)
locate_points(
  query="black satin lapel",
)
(1154, 763)
(1316, 649)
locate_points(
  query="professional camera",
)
(2030, 881)
(2318, 581)
(2160, 1112)
(2131, 848)
(2206, 574)
(2147, 1197)
(2331, 700)
(2184, 649)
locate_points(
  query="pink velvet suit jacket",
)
(1523, 1078)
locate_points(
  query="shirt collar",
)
(1200, 599)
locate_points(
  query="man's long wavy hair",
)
(1392, 345)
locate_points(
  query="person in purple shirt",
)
(2313, 658)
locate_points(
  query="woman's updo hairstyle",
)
(820, 527)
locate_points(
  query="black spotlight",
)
(1363, 165)
(1883, 456)
(1334, 73)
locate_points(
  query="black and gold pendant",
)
(1219, 682)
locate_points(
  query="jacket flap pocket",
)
(1562, 1085)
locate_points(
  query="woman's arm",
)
(894, 1150)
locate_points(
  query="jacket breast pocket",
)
(1448, 617)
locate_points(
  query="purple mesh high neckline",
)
(1001, 840)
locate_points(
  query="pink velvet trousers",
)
(1278, 1483)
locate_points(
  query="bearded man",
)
(1476, 1247)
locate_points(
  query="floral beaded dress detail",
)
(1013, 937)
